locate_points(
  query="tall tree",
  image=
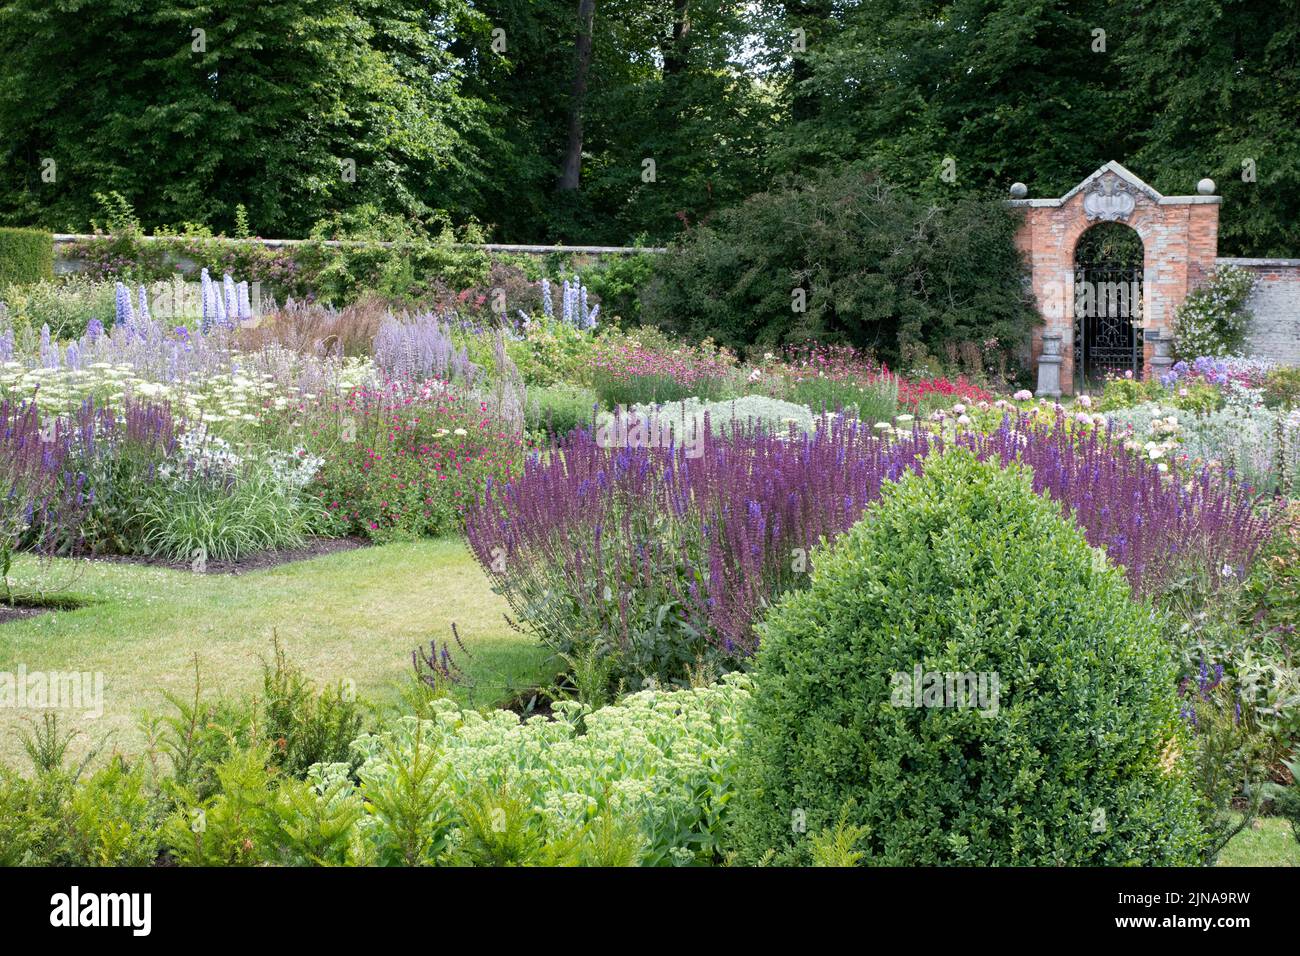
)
(571, 168)
(1216, 84)
(297, 109)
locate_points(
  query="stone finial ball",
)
(1205, 187)
(1019, 190)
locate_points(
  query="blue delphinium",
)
(125, 313)
(208, 296)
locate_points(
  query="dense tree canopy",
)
(684, 107)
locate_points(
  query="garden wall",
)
(1275, 304)
(66, 259)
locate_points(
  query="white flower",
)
(959, 409)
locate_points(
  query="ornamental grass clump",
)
(967, 682)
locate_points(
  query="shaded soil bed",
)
(315, 548)
(19, 613)
(27, 605)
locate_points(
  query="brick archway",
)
(1180, 238)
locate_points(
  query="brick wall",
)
(1275, 328)
(1179, 234)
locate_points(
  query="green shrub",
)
(1282, 387)
(26, 255)
(1127, 392)
(1287, 801)
(1070, 758)
(303, 725)
(1197, 397)
(215, 519)
(558, 409)
(868, 264)
(56, 819)
(617, 281)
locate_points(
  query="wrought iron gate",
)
(1107, 322)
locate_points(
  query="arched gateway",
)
(1106, 304)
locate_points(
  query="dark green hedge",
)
(26, 255)
(879, 269)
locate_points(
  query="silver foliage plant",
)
(420, 348)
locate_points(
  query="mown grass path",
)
(352, 615)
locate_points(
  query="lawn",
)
(353, 615)
(1268, 843)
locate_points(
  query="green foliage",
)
(1282, 387)
(502, 828)
(1287, 801)
(1197, 397)
(838, 847)
(313, 821)
(197, 735)
(1273, 587)
(557, 410)
(875, 268)
(1229, 773)
(875, 401)
(1127, 392)
(617, 282)
(964, 570)
(66, 305)
(26, 255)
(306, 727)
(56, 819)
(409, 803)
(1213, 319)
(230, 827)
(304, 87)
(653, 772)
(224, 518)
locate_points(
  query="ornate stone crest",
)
(1109, 200)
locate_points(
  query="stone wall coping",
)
(1162, 201)
(64, 238)
(1290, 263)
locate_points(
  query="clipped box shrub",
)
(1073, 759)
(26, 255)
